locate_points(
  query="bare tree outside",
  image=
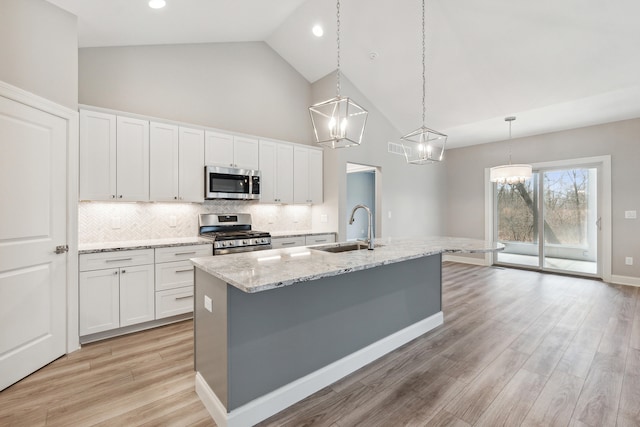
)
(565, 202)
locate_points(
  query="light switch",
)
(630, 215)
(115, 222)
(323, 218)
(208, 305)
(628, 260)
(389, 214)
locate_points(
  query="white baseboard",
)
(285, 396)
(465, 259)
(625, 280)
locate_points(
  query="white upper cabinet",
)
(97, 156)
(227, 150)
(163, 162)
(114, 157)
(191, 165)
(132, 159)
(307, 175)
(276, 167)
(176, 157)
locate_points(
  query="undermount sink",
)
(344, 247)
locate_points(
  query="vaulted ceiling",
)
(554, 64)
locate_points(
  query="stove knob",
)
(223, 244)
(245, 242)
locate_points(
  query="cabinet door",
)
(191, 161)
(132, 152)
(245, 153)
(137, 295)
(300, 175)
(284, 173)
(268, 172)
(97, 156)
(99, 301)
(163, 162)
(315, 175)
(218, 149)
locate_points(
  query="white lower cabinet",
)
(124, 288)
(174, 279)
(287, 242)
(318, 239)
(116, 289)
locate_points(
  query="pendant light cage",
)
(424, 145)
(510, 174)
(338, 122)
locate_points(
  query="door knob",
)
(61, 249)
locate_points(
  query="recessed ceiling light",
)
(317, 31)
(157, 4)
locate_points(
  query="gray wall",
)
(621, 140)
(361, 187)
(242, 87)
(413, 194)
(39, 50)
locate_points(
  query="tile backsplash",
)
(115, 222)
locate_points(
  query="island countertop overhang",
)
(264, 270)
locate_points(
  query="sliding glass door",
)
(550, 222)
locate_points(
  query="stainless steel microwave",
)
(231, 183)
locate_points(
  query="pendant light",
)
(510, 174)
(423, 145)
(338, 122)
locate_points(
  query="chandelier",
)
(338, 122)
(510, 174)
(423, 145)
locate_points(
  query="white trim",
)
(605, 237)
(71, 116)
(624, 280)
(285, 396)
(467, 260)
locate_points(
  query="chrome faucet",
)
(370, 232)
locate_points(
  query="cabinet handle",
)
(184, 297)
(124, 271)
(115, 272)
(320, 240)
(118, 260)
(184, 271)
(175, 197)
(288, 243)
(185, 253)
(113, 196)
(120, 196)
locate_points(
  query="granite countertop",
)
(299, 233)
(91, 248)
(263, 270)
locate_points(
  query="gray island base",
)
(256, 353)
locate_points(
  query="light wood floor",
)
(517, 348)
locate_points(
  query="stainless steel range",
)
(232, 233)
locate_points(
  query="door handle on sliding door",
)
(599, 224)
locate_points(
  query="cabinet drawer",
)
(174, 301)
(177, 274)
(102, 260)
(318, 239)
(287, 242)
(182, 253)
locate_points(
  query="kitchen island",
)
(272, 327)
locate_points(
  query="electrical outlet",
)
(323, 218)
(630, 215)
(628, 260)
(389, 214)
(115, 222)
(208, 304)
(172, 221)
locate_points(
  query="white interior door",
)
(33, 218)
